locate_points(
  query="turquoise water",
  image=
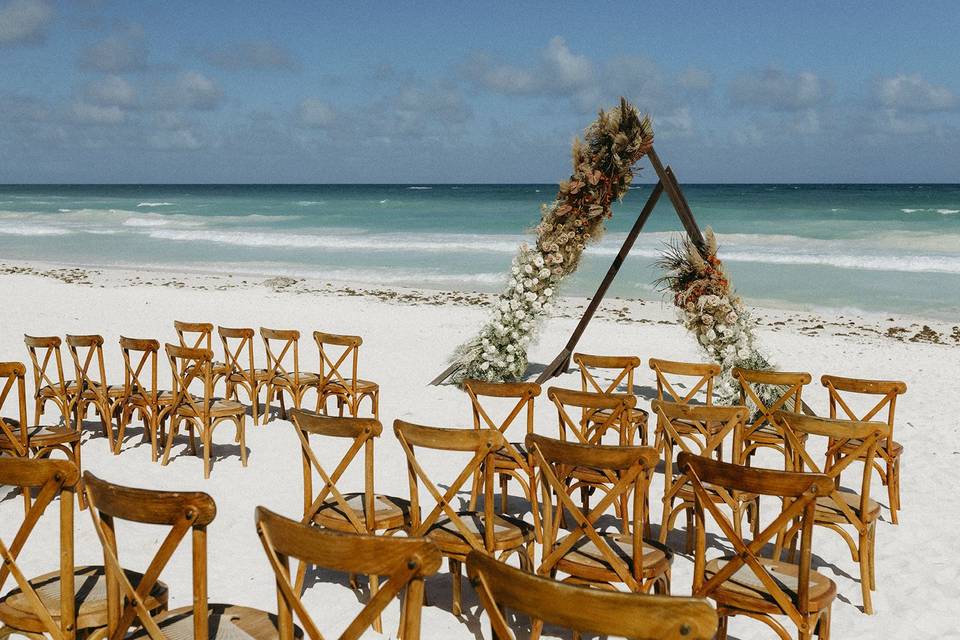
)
(869, 247)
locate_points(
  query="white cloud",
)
(111, 90)
(779, 91)
(695, 79)
(314, 112)
(119, 53)
(913, 93)
(559, 71)
(566, 70)
(177, 140)
(24, 21)
(251, 55)
(87, 113)
(192, 90)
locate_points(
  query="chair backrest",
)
(622, 367)
(183, 513)
(841, 452)
(54, 478)
(283, 352)
(47, 364)
(627, 470)
(841, 390)
(12, 375)
(361, 432)
(799, 493)
(482, 443)
(768, 392)
(191, 367)
(87, 354)
(406, 561)
(337, 352)
(195, 335)
(140, 368)
(652, 617)
(238, 349)
(698, 377)
(481, 394)
(599, 413)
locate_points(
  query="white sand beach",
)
(408, 334)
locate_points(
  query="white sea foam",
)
(942, 211)
(308, 203)
(948, 211)
(155, 204)
(32, 230)
(420, 188)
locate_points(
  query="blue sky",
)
(99, 91)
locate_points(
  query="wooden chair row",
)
(114, 602)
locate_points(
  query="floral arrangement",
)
(603, 168)
(709, 307)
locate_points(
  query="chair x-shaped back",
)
(12, 375)
(239, 366)
(140, 391)
(623, 368)
(789, 388)
(703, 375)
(91, 375)
(45, 354)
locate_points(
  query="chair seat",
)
(362, 386)
(90, 586)
(585, 560)
(50, 391)
(744, 590)
(882, 447)
(225, 622)
(637, 416)
(142, 399)
(502, 458)
(828, 511)
(259, 375)
(218, 407)
(114, 391)
(42, 436)
(287, 379)
(686, 494)
(388, 513)
(769, 434)
(509, 532)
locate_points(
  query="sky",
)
(319, 92)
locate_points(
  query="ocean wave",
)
(941, 211)
(420, 188)
(308, 203)
(32, 230)
(155, 204)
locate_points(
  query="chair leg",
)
(864, 562)
(374, 583)
(722, 628)
(504, 478)
(457, 586)
(174, 423)
(81, 494)
(893, 488)
(242, 438)
(823, 625)
(206, 439)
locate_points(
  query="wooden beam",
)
(562, 361)
(678, 200)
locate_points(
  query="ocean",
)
(872, 248)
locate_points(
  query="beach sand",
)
(408, 334)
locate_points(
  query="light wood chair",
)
(44, 605)
(760, 431)
(242, 374)
(841, 391)
(335, 352)
(91, 375)
(405, 561)
(513, 461)
(620, 370)
(683, 383)
(49, 384)
(204, 413)
(590, 553)
(699, 430)
(651, 617)
(129, 610)
(363, 512)
(140, 392)
(847, 442)
(283, 363)
(20, 440)
(199, 335)
(456, 531)
(743, 582)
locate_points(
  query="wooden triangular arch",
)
(667, 181)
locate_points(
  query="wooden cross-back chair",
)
(140, 392)
(364, 512)
(590, 553)
(241, 371)
(458, 531)
(203, 413)
(49, 384)
(744, 582)
(137, 602)
(887, 464)
(283, 364)
(513, 460)
(336, 353)
(699, 430)
(17, 437)
(683, 383)
(651, 617)
(847, 442)
(620, 370)
(87, 354)
(405, 561)
(199, 335)
(44, 605)
(760, 430)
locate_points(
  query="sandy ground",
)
(407, 336)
